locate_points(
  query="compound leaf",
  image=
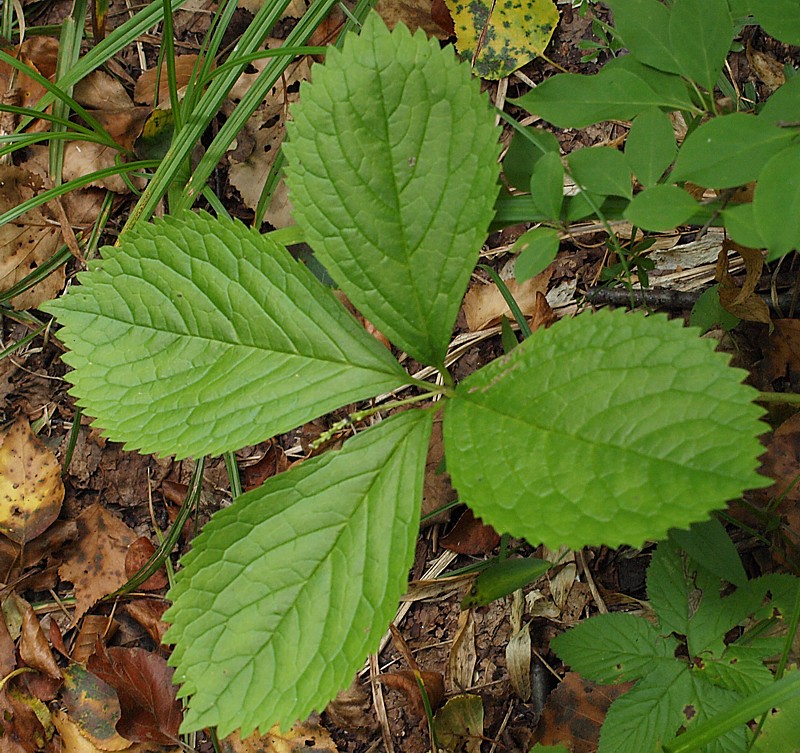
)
(700, 34)
(729, 151)
(621, 90)
(650, 146)
(285, 592)
(644, 28)
(612, 648)
(198, 336)
(393, 176)
(613, 428)
(776, 203)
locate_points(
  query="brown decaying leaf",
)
(575, 711)
(484, 304)
(463, 655)
(437, 491)
(742, 302)
(13, 560)
(781, 362)
(7, 659)
(40, 53)
(273, 463)
(311, 738)
(143, 681)
(470, 535)
(542, 315)
(518, 661)
(766, 67)
(405, 681)
(34, 650)
(416, 14)
(145, 90)
(31, 490)
(22, 730)
(93, 706)
(95, 565)
(352, 708)
(139, 552)
(27, 242)
(148, 613)
(93, 626)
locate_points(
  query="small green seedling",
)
(707, 649)
(198, 336)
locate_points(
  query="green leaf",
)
(660, 207)
(393, 176)
(781, 732)
(314, 564)
(738, 670)
(537, 248)
(779, 18)
(650, 713)
(615, 427)
(601, 170)
(197, 336)
(650, 146)
(667, 590)
(707, 312)
(784, 104)
(707, 702)
(740, 223)
(729, 151)
(612, 648)
(644, 28)
(621, 90)
(506, 36)
(503, 577)
(524, 152)
(547, 185)
(710, 546)
(700, 34)
(776, 203)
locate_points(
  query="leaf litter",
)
(435, 629)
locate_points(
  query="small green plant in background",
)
(198, 336)
(693, 660)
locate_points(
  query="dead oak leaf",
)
(147, 698)
(96, 564)
(31, 490)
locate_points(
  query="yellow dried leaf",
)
(500, 37)
(31, 490)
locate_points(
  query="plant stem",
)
(791, 398)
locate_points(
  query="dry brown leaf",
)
(463, 655)
(101, 91)
(484, 305)
(416, 14)
(27, 242)
(148, 613)
(273, 463)
(562, 581)
(518, 661)
(437, 490)
(542, 315)
(780, 366)
(93, 626)
(22, 730)
(95, 565)
(574, 712)
(7, 659)
(470, 535)
(15, 559)
(259, 141)
(301, 737)
(143, 681)
(40, 53)
(139, 552)
(352, 708)
(766, 67)
(93, 706)
(405, 682)
(34, 649)
(742, 302)
(145, 90)
(31, 490)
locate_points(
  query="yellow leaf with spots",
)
(502, 36)
(31, 490)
